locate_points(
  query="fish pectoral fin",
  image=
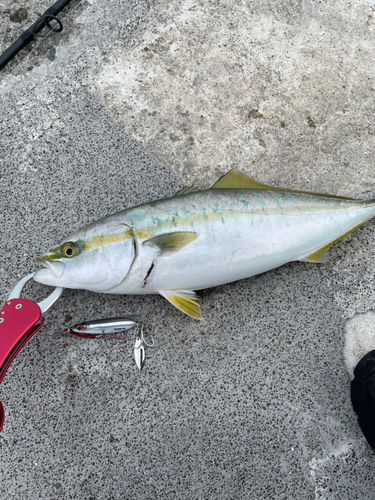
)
(320, 256)
(170, 243)
(187, 190)
(236, 180)
(186, 301)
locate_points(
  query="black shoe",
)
(362, 390)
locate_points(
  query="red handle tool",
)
(19, 320)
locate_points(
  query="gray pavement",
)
(252, 402)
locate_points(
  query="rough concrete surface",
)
(132, 101)
(359, 339)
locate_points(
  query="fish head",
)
(95, 259)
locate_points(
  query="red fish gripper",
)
(20, 319)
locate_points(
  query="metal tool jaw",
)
(20, 319)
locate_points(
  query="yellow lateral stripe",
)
(143, 234)
(106, 239)
(318, 254)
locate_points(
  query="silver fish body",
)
(240, 235)
(201, 239)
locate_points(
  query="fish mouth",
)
(55, 267)
(50, 255)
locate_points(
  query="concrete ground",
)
(134, 100)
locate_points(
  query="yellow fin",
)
(320, 256)
(187, 190)
(170, 243)
(186, 301)
(236, 180)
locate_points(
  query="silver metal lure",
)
(139, 349)
(139, 352)
(111, 328)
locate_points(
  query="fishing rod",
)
(29, 35)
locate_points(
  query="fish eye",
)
(79, 327)
(70, 250)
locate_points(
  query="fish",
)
(200, 239)
(111, 328)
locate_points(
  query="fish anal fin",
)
(187, 190)
(170, 243)
(320, 256)
(237, 180)
(186, 301)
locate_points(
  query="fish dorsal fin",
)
(187, 190)
(185, 300)
(170, 243)
(236, 180)
(320, 256)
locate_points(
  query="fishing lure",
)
(113, 329)
(107, 329)
(139, 349)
